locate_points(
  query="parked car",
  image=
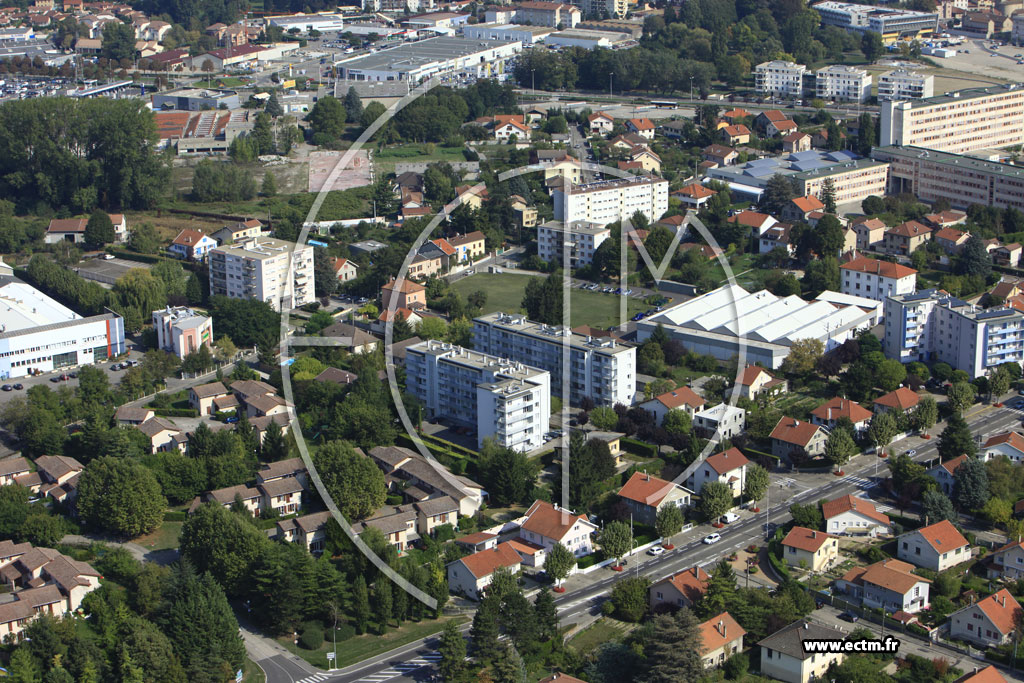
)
(656, 550)
(849, 616)
(18, 387)
(729, 517)
(712, 538)
(7, 387)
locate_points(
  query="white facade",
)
(423, 59)
(527, 35)
(608, 201)
(37, 334)
(584, 239)
(841, 82)
(504, 400)
(780, 78)
(310, 22)
(600, 368)
(728, 421)
(901, 84)
(877, 279)
(259, 269)
(181, 330)
(919, 547)
(889, 23)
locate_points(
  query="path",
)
(141, 553)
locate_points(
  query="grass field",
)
(602, 631)
(505, 293)
(385, 159)
(163, 538)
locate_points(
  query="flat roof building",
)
(258, 268)
(527, 35)
(181, 330)
(309, 22)
(423, 59)
(587, 39)
(891, 24)
(584, 239)
(195, 99)
(842, 82)
(901, 84)
(780, 78)
(608, 201)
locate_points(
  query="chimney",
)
(721, 627)
(807, 626)
(696, 571)
(814, 534)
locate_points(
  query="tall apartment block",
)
(583, 240)
(600, 368)
(902, 84)
(962, 180)
(258, 269)
(932, 325)
(785, 79)
(608, 201)
(841, 82)
(502, 399)
(959, 122)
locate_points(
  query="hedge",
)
(175, 412)
(135, 256)
(919, 630)
(640, 448)
(175, 516)
(588, 560)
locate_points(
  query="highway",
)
(415, 662)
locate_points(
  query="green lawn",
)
(358, 648)
(505, 293)
(163, 538)
(386, 158)
(252, 673)
(602, 631)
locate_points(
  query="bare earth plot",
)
(358, 172)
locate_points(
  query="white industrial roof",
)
(23, 307)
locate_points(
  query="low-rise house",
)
(642, 127)
(12, 469)
(725, 420)
(628, 142)
(481, 540)
(469, 247)
(796, 142)
(735, 135)
(870, 233)
(890, 585)
(192, 245)
(611, 439)
(876, 279)
(512, 127)
(852, 516)
(163, 434)
(762, 120)
(694, 195)
(292, 468)
(777, 128)
(284, 496)
(546, 524)
(525, 214)
(989, 622)
(777, 237)
(680, 398)
(1006, 562)
(835, 409)
(990, 674)
(757, 222)
(396, 522)
(794, 439)
(937, 547)
(1009, 444)
(902, 400)
(473, 196)
(471, 575)
(336, 376)
(756, 381)
(310, 530)
(720, 154)
(262, 406)
(647, 159)
(682, 589)
(435, 512)
(600, 122)
(241, 230)
(1007, 255)
(344, 269)
(721, 638)
(727, 467)
(66, 230)
(799, 208)
(951, 240)
(811, 549)
(645, 495)
(129, 416)
(410, 474)
(905, 238)
(784, 658)
(351, 338)
(944, 473)
(201, 398)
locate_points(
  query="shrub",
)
(345, 631)
(312, 637)
(736, 667)
(607, 608)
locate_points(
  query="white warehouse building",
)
(608, 201)
(37, 334)
(309, 22)
(503, 400)
(424, 59)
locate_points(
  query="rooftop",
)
(963, 95)
(789, 640)
(850, 503)
(258, 248)
(957, 161)
(23, 307)
(645, 489)
(553, 333)
(803, 538)
(422, 53)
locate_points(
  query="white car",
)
(656, 550)
(712, 538)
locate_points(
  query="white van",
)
(729, 517)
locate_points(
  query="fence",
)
(605, 563)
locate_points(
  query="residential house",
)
(242, 230)
(611, 439)
(645, 495)
(764, 118)
(794, 440)
(784, 658)
(163, 435)
(628, 142)
(435, 512)
(902, 400)
(311, 530)
(870, 233)
(990, 674)
(469, 247)
(471, 575)
(202, 397)
(989, 622)
(694, 195)
(66, 230)
(1007, 255)
(1005, 290)
(682, 589)
(126, 415)
(796, 142)
(675, 129)
(777, 128)
(1009, 444)
(396, 522)
(410, 474)
(344, 269)
(526, 215)
(283, 495)
(735, 135)
(508, 126)
(876, 279)
(292, 468)
(725, 420)
(756, 381)
(905, 238)
(727, 467)
(261, 424)
(425, 264)
(757, 222)
(937, 547)
(944, 473)
(890, 585)
(13, 469)
(473, 196)
(951, 240)
(410, 180)
(408, 294)
(354, 339)
(721, 638)
(249, 389)
(852, 516)
(810, 549)
(799, 208)
(481, 540)
(1006, 562)
(642, 127)
(546, 524)
(265, 406)
(720, 154)
(600, 123)
(192, 245)
(829, 413)
(777, 237)
(646, 158)
(680, 398)
(946, 219)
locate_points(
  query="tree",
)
(559, 563)
(99, 230)
(999, 383)
(925, 414)
(997, 510)
(432, 328)
(616, 539)
(839, 447)
(970, 484)
(484, 632)
(353, 105)
(543, 299)
(604, 417)
(973, 258)
(828, 195)
(905, 472)
(453, 652)
(882, 429)
(871, 45)
(668, 523)
(507, 474)
(327, 120)
(273, 106)
(120, 496)
(961, 396)
(937, 507)
(269, 187)
(756, 483)
(355, 484)
(274, 446)
(803, 358)
(674, 649)
(545, 615)
(890, 374)
(956, 439)
(118, 41)
(630, 598)
(383, 601)
(509, 666)
(808, 516)
(715, 500)
(778, 191)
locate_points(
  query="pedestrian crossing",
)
(398, 669)
(315, 678)
(859, 482)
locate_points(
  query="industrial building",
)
(891, 24)
(423, 59)
(309, 22)
(588, 40)
(502, 399)
(714, 323)
(195, 99)
(259, 269)
(527, 35)
(37, 334)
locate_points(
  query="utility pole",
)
(610, 77)
(533, 83)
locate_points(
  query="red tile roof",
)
(1013, 438)
(544, 519)
(692, 583)
(645, 489)
(642, 124)
(903, 398)
(736, 130)
(751, 219)
(724, 462)
(803, 538)
(794, 137)
(751, 373)
(189, 237)
(679, 397)
(408, 286)
(67, 225)
(485, 562)
(1002, 610)
(782, 126)
(990, 674)
(695, 191)
(910, 229)
(600, 115)
(718, 631)
(735, 113)
(891, 574)
(942, 536)
(836, 408)
(953, 465)
(794, 431)
(950, 234)
(849, 503)
(888, 269)
(774, 115)
(808, 203)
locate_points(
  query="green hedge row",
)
(639, 448)
(176, 412)
(134, 256)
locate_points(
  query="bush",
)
(586, 561)
(639, 448)
(344, 632)
(175, 516)
(737, 666)
(607, 608)
(312, 637)
(176, 412)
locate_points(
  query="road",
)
(586, 593)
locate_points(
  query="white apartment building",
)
(600, 368)
(841, 82)
(608, 201)
(781, 78)
(259, 269)
(935, 326)
(891, 24)
(903, 84)
(181, 330)
(583, 238)
(37, 334)
(958, 122)
(503, 400)
(876, 279)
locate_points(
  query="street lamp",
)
(533, 82)
(610, 77)
(691, 89)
